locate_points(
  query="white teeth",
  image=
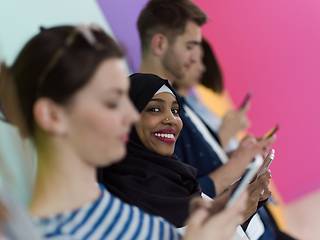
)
(165, 135)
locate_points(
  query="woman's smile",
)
(160, 124)
(166, 135)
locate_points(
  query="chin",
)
(121, 153)
(114, 155)
(167, 153)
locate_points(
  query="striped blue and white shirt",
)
(106, 218)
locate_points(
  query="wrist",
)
(224, 138)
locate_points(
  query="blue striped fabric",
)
(106, 218)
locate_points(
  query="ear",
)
(159, 44)
(50, 116)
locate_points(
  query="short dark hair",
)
(168, 17)
(212, 77)
(72, 71)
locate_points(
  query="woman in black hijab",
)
(150, 176)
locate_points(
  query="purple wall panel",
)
(122, 15)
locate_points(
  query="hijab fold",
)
(157, 184)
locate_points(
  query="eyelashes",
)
(156, 109)
(111, 105)
(175, 111)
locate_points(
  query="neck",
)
(64, 182)
(152, 64)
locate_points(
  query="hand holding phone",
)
(245, 179)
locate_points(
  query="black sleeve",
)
(246, 223)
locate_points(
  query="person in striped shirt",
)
(71, 87)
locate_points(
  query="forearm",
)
(229, 154)
(226, 175)
(224, 138)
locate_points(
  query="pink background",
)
(273, 48)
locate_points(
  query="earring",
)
(167, 119)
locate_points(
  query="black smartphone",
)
(246, 99)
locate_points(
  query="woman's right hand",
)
(230, 172)
(257, 191)
(222, 225)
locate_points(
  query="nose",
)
(193, 57)
(170, 119)
(196, 54)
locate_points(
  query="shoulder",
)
(106, 218)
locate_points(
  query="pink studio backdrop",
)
(273, 48)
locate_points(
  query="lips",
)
(188, 66)
(166, 135)
(124, 138)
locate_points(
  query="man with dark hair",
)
(170, 35)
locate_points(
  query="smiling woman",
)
(72, 91)
(73, 96)
(160, 123)
(151, 177)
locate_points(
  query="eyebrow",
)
(157, 100)
(161, 100)
(115, 91)
(194, 42)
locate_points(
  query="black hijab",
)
(157, 184)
